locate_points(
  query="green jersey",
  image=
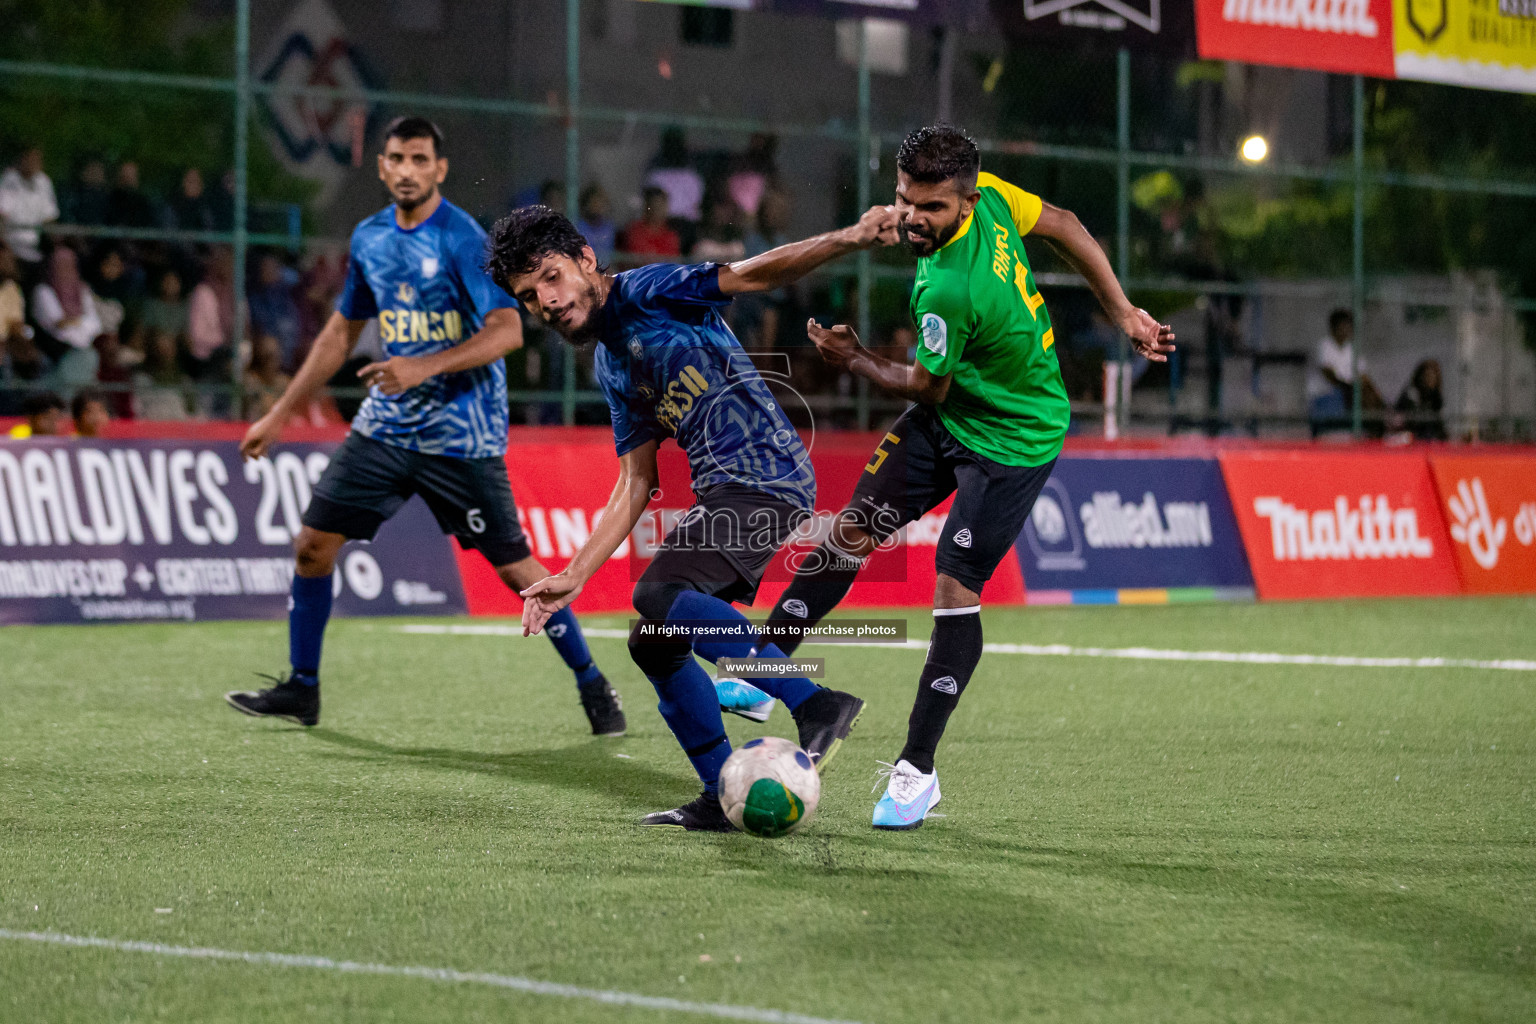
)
(980, 318)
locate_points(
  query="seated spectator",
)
(753, 173)
(128, 205)
(651, 235)
(86, 201)
(274, 306)
(189, 208)
(594, 224)
(18, 352)
(90, 413)
(163, 313)
(552, 195)
(673, 172)
(720, 235)
(44, 411)
(1421, 401)
(211, 319)
(119, 290)
(66, 312)
(319, 289)
(759, 314)
(1331, 375)
(27, 202)
(160, 389)
(265, 380)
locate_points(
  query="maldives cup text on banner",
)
(138, 530)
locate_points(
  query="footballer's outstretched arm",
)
(332, 346)
(788, 263)
(1071, 240)
(840, 347)
(631, 493)
(502, 334)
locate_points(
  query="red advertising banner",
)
(1332, 524)
(561, 480)
(1489, 503)
(1346, 36)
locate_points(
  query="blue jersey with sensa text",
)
(670, 367)
(428, 290)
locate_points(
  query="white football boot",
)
(909, 796)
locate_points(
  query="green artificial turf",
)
(1123, 840)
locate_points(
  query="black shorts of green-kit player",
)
(916, 466)
(368, 481)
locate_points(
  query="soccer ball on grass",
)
(769, 787)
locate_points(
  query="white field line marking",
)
(1065, 651)
(542, 988)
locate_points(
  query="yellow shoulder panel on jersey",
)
(1024, 206)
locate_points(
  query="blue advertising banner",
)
(175, 530)
(1120, 530)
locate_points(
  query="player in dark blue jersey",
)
(434, 422)
(670, 368)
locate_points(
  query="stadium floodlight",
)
(1255, 149)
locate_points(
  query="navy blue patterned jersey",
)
(429, 292)
(670, 367)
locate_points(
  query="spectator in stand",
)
(759, 315)
(720, 235)
(552, 195)
(594, 223)
(319, 289)
(70, 323)
(160, 389)
(673, 172)
(265, 380)
(86, 201)
(222, 202)
(211, 319)
(651, 235)
(90, 413)
(164, 313)
(27, 202)
(119, 290)
(128, 206)
(274, 306)
(1421, 401)
(1330, 379)
(18, 351)
(189, 209)
(44, 411)
(754, 173)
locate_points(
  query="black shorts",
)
(917, 465)
(367, 482)
(723, 544)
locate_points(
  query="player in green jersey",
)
(989, 418)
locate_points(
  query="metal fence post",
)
(241, 203)
(1123, 208)
(1357, 277)
(572, 175)
(866, 276)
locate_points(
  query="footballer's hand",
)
(837, 345)
(262, 435)
(880, 225)
(395, 374)
(546, 597)
(1153, 340)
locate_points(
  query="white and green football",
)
(769, 787)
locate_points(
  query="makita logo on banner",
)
(1374, 530)
(1342, 17)
(1109, 522)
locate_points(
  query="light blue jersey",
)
(428, 290)
(670, 367)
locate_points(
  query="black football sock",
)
(953, 653)
(817, 588)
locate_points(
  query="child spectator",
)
(44, 411)
(90, 413)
